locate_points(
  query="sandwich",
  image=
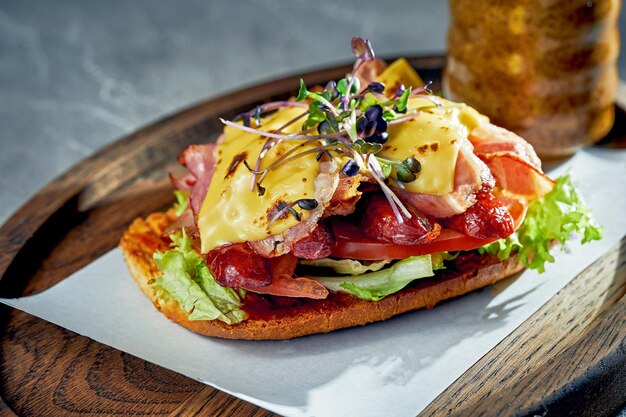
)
(348, 204)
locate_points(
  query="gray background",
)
(76, 75)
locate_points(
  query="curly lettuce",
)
(187, 279)
(345, 266)
(374, 286)
(553, 218)
(182, 198)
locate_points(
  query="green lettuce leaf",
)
(553, 218)
(187, 279)
(345, 266)
(374, 286)
(181, 201)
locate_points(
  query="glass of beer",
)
(546, 69)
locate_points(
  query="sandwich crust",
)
(271, 317)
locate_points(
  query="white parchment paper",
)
(391, 368)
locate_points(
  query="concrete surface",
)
(76, 75)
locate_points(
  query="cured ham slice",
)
(513, 162)
(518, 178)
(471, 175)
(200, 162)
(491, 140)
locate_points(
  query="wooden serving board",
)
(568, 359)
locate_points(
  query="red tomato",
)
(353, 244)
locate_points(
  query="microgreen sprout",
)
(283, 207)
(342, 120)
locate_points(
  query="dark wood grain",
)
(569, 358)
(46, 370)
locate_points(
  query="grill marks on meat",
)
(379, 222)
(487, 218)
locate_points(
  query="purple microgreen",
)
(397, 183)
(322, 153)
(399, 91)
(292, 136)
(269, 143)
(350, 168)
(378, 138)
(412, 164)
(364, 127)
(401, 106)
(434, 99)
(373, 113)
(371, 148)
(283, 208)
(362, 49)
(396, 205)
(425, 87)
(404, 175)
(331, 90)
(325, 128)
(267, 107)
(389, 115)
(385, 168)
(375, 87)
(342, 87)
(257, 116)
(288, 156)
(367, 100)
(302, 91)
(307, 203)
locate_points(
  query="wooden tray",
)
(568, 358)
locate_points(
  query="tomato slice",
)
(353, 244)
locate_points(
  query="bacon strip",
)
(237, 266)
(513, 162)
(487, 218)
(379, 222)
(317, 244)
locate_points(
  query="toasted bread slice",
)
(271, 317)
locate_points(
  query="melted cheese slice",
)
(399, 72)
(231, 211)
(433, 138)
